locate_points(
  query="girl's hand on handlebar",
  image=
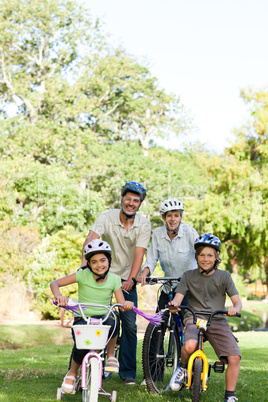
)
(62, 301)
(128, 305)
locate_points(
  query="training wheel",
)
(114, 395)
(59, 394)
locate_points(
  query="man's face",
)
(130, 203)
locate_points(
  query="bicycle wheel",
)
(158, 364)
(90, 394)
(197, 383)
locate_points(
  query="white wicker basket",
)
(91, 336)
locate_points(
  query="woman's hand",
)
(142, 277)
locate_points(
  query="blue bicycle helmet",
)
(134, 187)
(208, 239)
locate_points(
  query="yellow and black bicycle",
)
(198, 366)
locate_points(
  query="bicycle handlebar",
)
(209, 313)
(162, 279)
(82, 306)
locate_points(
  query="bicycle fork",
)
(198, 354)
(85, 363)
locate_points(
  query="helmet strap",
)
(171, 231)
(100, 277)
(203, 271)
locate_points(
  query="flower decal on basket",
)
(98, 332)
(78, 332)
(87, 342)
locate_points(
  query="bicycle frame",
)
(199, 353)
(162, 345)
(92, 354)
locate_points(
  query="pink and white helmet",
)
(96, 246)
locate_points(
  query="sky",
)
(204, 51)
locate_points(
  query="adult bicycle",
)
(161, 349)
(94, 337)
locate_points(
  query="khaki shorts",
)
(219, 336)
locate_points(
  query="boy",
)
(207, 288)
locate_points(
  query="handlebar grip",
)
(135, 283)
(238, 315)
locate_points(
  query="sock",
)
(229, 393)
(183, 365)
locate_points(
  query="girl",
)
(95, 285)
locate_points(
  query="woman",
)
(173, 245)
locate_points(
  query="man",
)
(128, 234)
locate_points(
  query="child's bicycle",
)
(198, 368)
(94, 337)
(161, 350)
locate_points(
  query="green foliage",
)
(57, 256)
(46, 196)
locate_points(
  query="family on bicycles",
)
(125, 236)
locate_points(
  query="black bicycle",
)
(161, 350)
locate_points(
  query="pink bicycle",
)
(94, 337)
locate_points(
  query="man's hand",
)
(128, 285)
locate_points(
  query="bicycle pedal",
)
(170, 363)
(218, 367)
(111, 370)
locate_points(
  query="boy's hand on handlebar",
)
(62, 301)
(128, 305)
(232, 311)
(173, 306)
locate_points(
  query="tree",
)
(57, 256)
(128, 103)
(235, 204)
(66, 88)
(46, 196)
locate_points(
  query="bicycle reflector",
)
(202, 324)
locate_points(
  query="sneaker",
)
(177, 379)
(129, 381)
(231, 399)
(143, 382)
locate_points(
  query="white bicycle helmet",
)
(96, 246)
(171, 204)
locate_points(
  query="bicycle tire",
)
(157, 371)
(197, 382)
(90, 394)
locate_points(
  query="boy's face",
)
(206, 259)
(99, 263)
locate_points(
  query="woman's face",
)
(172, 219)
(206, 259)
(99, 263)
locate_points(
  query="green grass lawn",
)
(34, 373)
